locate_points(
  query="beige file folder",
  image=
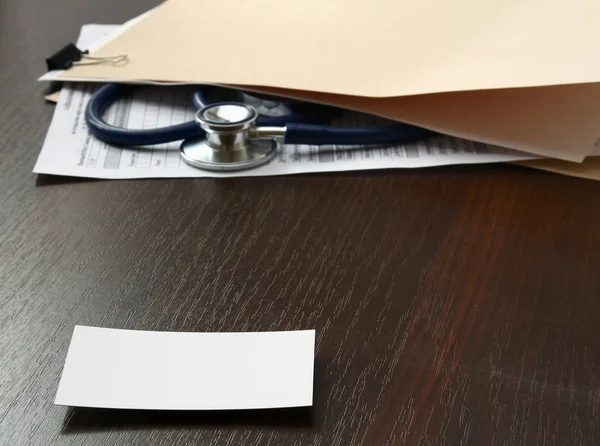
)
(524, 74)
(588, 169)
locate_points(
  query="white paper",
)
(129, 369)
(70, 150)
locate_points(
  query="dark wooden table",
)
(452, 306)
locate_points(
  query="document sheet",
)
(130, 369)
(70, 150)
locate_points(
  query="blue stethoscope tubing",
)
(301, 128)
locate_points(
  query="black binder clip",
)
(70, 55)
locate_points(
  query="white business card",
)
(129, 369)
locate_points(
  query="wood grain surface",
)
(454, 306)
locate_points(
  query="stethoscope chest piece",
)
(228, 144)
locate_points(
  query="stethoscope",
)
(232, 135)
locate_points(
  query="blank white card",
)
(128, 369)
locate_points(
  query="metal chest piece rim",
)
(226, 147)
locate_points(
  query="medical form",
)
(69, 149)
